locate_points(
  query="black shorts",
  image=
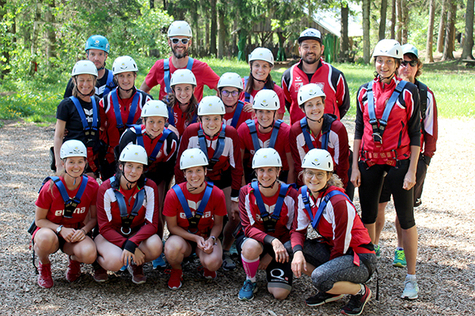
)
(224, 180)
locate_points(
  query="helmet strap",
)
(270, 186)
(84, 95)
(192, 188)
(129, 183)
(254, 78)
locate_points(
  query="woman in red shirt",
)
(64, 224)
(128, 218)
(194, 212)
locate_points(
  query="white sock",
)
(410, 277)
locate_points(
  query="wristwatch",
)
(58, 230)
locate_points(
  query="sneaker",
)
(228, 263)
(74, 270)
(159, 262)
(357, 303)
(377, 249)
(124, 268)
(321, 298)
(417, 202)
(176, 276)
(246, 293)
(399, 259)
(209, 274)
(100, 274)
(44, 278)
(137, 273)
(411, 290)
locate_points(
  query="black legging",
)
(372, 180)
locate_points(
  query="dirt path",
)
(446, 262)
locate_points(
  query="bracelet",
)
(84, 231)
(214, 239)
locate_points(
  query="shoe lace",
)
(248, 285)
(400, 255)
(409, 285)
(354, 302)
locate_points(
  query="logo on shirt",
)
(89, 114)
(193, 207)
(269, 210)
(78, 210)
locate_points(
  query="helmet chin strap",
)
(192, 188)
(381, 78)
(318, 121)
(84, 95)
(75, 178)
(126, 90)
(270, 186)
(254, 78)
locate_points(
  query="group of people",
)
(242, 175)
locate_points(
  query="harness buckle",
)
(377, 138)
(69, 208)
(125, 233)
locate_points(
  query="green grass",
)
(35, 100)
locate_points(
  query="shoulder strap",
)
(237, 114)
(247, 96)
(306, 134)
(219, 147)
(315, 220)
(189, 65)
(138, 133)
(109, 83)
(391, 102)
(171, 115)
(70, 204)
(127, 218)
(275, 133)
(80, 110)
(116, 106)
(269, 221)
(325, 137)
(166, 74)
(252, 130)
(423, 98)
(158, 146)
(284, 188)
(59, 185)
(133, 108)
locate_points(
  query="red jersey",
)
(228, 118)
(230, 158)
(203, 73)
(429, 124)
(216, 207)
(404, 122)
(277, 89)
(111, 134)
(179, 118)
(337, 145)
(331, 80)
(143, 226)
(251, 220)
(281, 143)
(340, 226)
(52, 201)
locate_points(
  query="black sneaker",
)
(321, 298)
(357, 302)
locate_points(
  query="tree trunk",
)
(50, 33)
(443, 18)
(393, 19)
(399, 24)
(449, 45)
(221, 30)
(366, 29)
(214, 28)
(430, 32)
(468, 42)
(344, 49)
(5, 54)
(34, 38)
(152, 4)
(310, 13)
(405, 21)
(382, 22)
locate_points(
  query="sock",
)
(250, 267)
(362, 290)
(410, 277)
(399, 248)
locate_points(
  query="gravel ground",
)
(446, 261)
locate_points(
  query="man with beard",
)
(179, 40)
(312, 69)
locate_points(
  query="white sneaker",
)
(411, 290)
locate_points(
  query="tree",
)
(443, 18)
(214, 28)
(430, 32)
(468, 43)
(449, 45)
(221, 29)
(399, 24)
(393, 19)
(50, 33)
(344, 47)
(405, 21)
(366, 29)
(382, 21)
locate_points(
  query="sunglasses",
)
(227, 93)
(412, 63)
(184, 41)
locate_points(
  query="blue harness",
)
(118, 116)
(219, 146)
(255, 140)
(171, 116)
(70, 204)
(166, 72)
(237, 114)
(89, 130)
(158, 146)
(306, 200)
(127, 218)
(378, 131)
(109, 83)
(247, 95)
(308, 140)
(193, 220)
(270, 220)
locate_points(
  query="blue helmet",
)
(97, 42)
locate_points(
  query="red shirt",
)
(339, 225)
(251, 220)
(277, 89)
(203, 73)
(337, 146)
(281, 143)
(54, 203)
(143, 226)
(216, 207)
(430, 127)
(228, 117)
(179, 119)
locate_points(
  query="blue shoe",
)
(399, 259)
(377, 249)
(159, 262)
(247, 291)
(124, 268)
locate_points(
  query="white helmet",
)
(179, 28)
(73, 148)
(211, 105)
(319, 159)
(182, 76)
(230, 79)
(155, 108)
(310, 34)
(388, 48)
(266, 157)
(134, 153)
(84, 67)
(124, 64)
(309, 91)
(266, 100)
(262, 53)
(193, 157)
